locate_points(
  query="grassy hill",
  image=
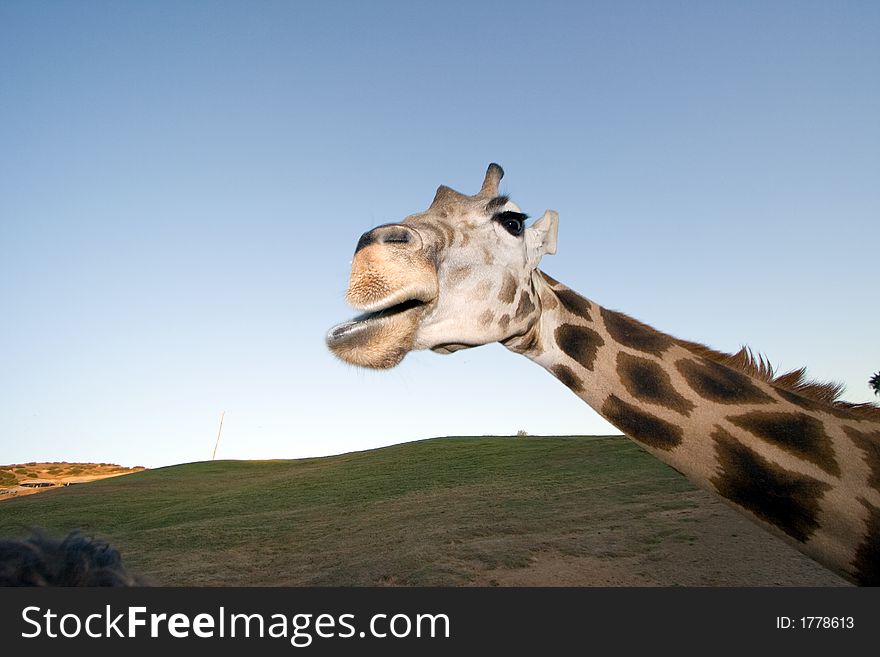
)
(450, 511)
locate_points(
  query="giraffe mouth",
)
(383, 313)
(378, 339)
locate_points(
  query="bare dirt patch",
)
(707, 544)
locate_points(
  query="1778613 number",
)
(815, 623)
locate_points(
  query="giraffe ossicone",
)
(781, 450)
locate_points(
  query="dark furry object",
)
(76, 560)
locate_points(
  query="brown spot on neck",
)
(787, 500)
(641, 426)
(575, 304)
(647, 381)
(635, 335)
(721, 384)
(579, 343)
(798, 434)
(568, 377)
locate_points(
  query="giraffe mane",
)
(796, 381)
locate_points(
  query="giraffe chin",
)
(378, 340)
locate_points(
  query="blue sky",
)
(182, 185)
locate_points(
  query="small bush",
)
(522, 433)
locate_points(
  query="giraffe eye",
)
(513, 222)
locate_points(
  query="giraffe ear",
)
(541, 237)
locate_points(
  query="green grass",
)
(435, 512)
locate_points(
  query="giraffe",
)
(780, 449)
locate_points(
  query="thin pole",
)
(217, 444)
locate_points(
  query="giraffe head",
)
(457, 275)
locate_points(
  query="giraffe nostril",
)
(387, 234)
(398, 236)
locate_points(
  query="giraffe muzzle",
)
(394, 283)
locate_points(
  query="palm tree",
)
(874, 382)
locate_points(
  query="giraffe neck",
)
(801, 469)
